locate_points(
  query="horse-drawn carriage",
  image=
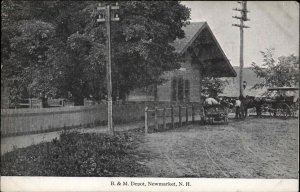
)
(213, 113)
(281, 102)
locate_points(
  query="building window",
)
(174, 89)
(180, 89)
(187, 90)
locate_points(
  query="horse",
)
(251, 102)
(246, 103)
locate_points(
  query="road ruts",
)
(266, 163)
(217, 166)
(243, 149)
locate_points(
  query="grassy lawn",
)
(77, 154)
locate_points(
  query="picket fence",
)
(24, 121)
(37, 120)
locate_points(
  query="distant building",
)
(233, 87)
(201, 55)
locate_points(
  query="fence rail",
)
(30, 103)
(167, 115)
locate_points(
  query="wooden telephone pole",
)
(242, 18)
(106, 17)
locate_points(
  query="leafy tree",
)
(141, 42)
(81, 69)
(39, 46)
(57, 47)
(213, 86)
(284, 72)
(26, 64)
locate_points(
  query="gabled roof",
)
(192, 32)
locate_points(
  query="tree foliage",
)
(26, 63)
(57, 48)
(281, 73)
(213, 86)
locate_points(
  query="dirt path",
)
(255, 148)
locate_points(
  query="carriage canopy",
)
(292, 92)
(283, 89)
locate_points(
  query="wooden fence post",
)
(164, 118)
(202, 115)
(193, 114)
(146, 120)
(172, 116)
(155, 118)
(186, 115)
(180, 122)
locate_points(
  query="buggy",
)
(281, 102)
(213, 113)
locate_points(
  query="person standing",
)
(237, 106)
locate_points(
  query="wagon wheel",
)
(266, 108)
(275, 112)
(285, 111)
(294, 109)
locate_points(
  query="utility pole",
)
(106, 17)
(242, 18)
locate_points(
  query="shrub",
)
(76, 154)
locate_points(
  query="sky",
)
(273, 24)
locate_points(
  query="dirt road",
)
(254, 148)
